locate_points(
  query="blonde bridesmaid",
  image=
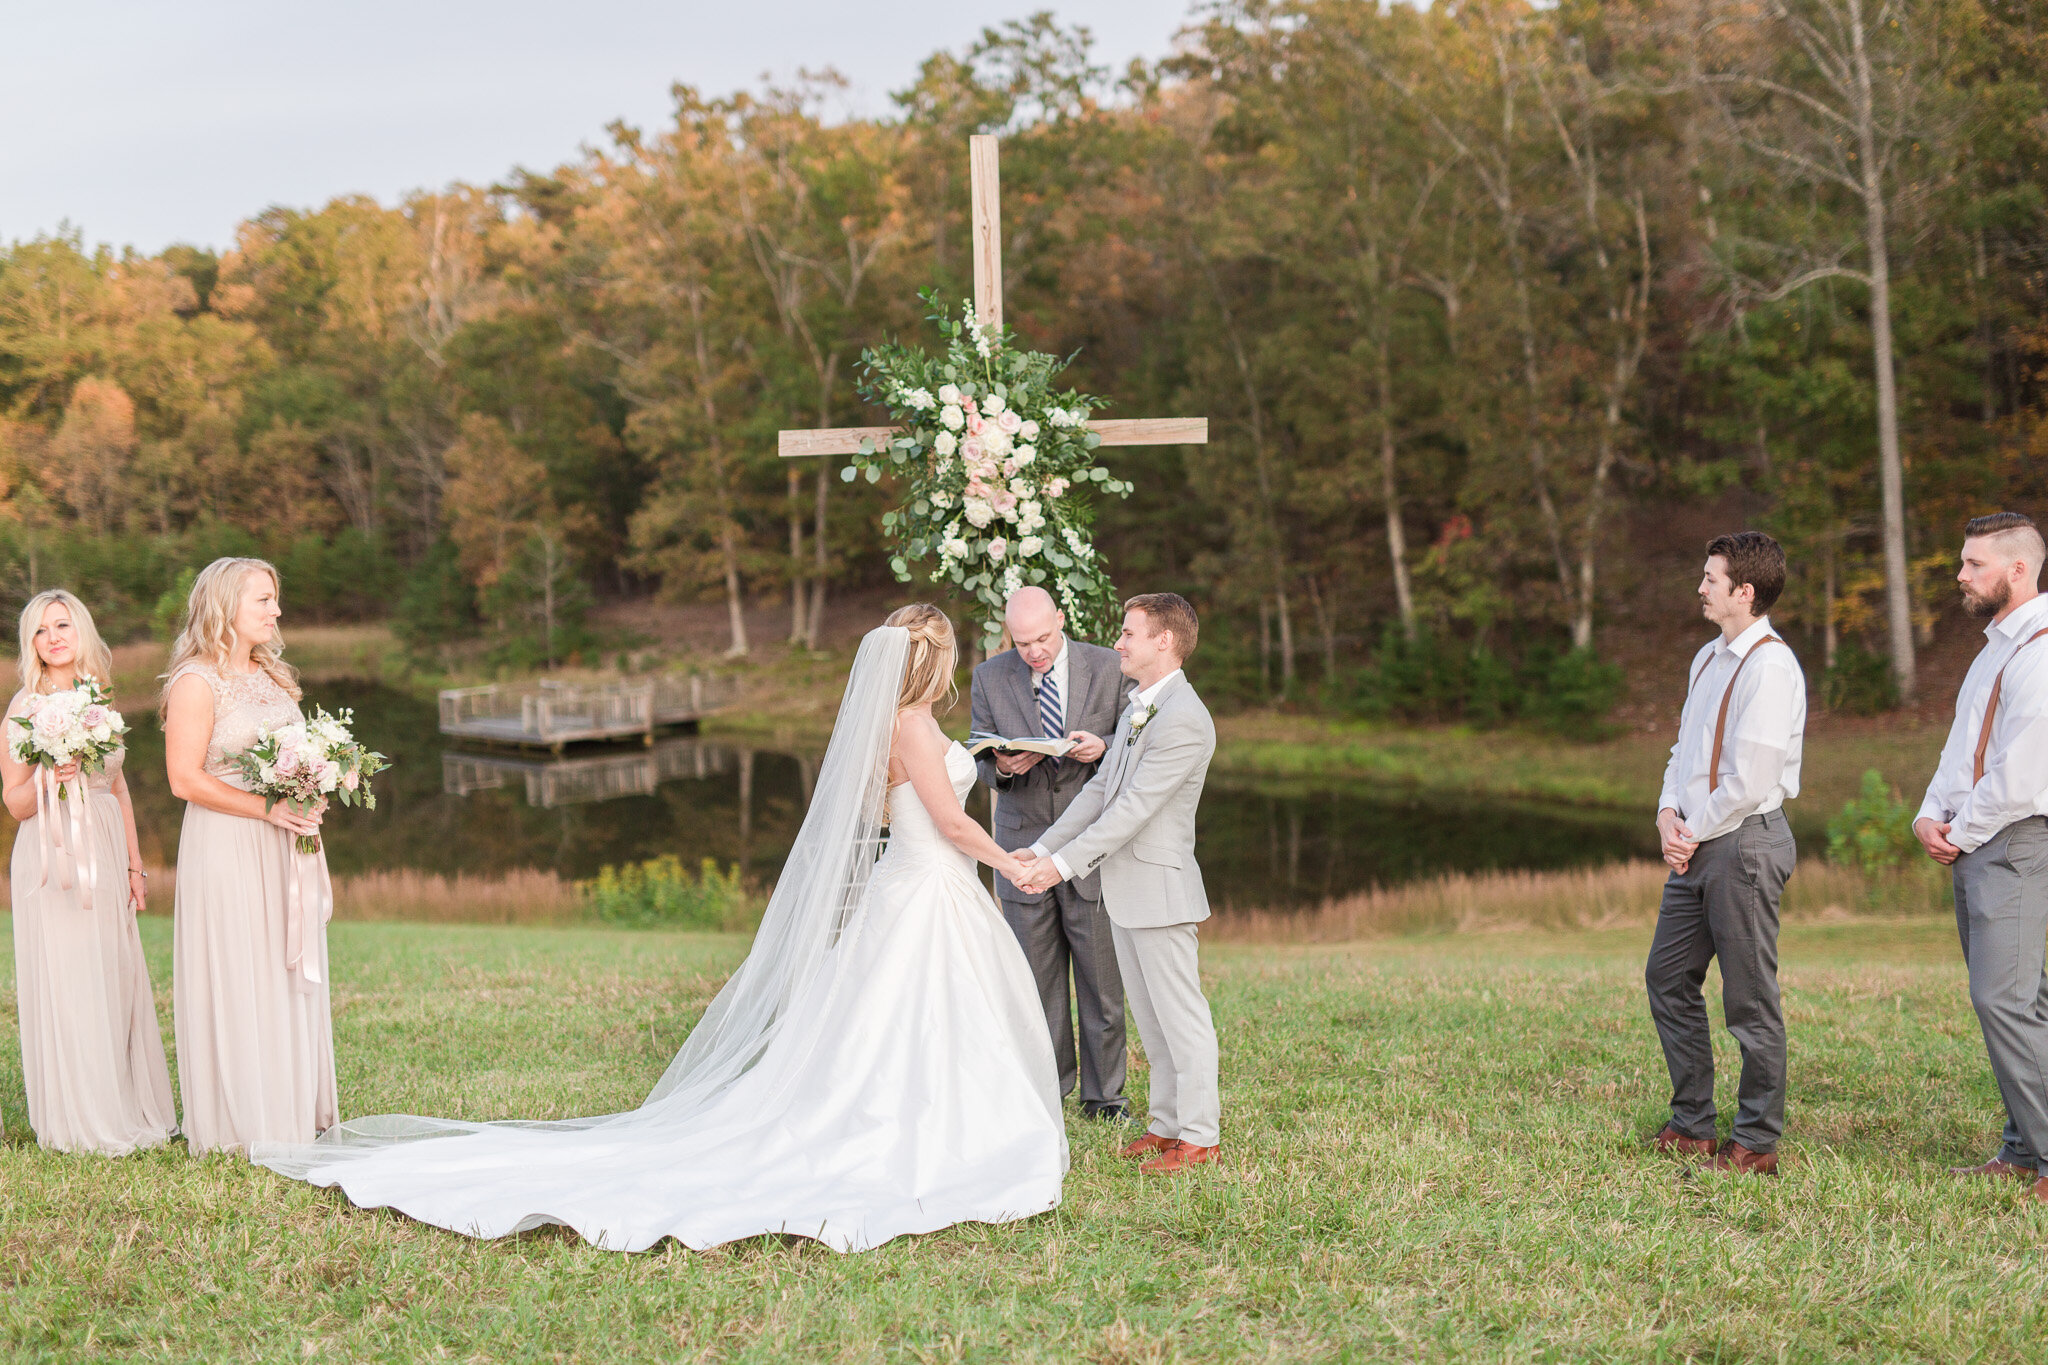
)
(92, 1056)
(255, 1038)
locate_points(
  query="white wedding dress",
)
(903, 1080)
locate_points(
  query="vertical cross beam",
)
(985, 192)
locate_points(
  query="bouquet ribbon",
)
(73, 866)
(309, 904)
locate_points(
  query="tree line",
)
(1457, 287)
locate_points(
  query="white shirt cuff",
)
(1066, 873)
(1038, 850)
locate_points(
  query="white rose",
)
(921, 399)
(991, 405)
(1029, 431)
(953, 548)
(1030, 546)
(946, 442)
(997, 548)
(952, 417)
(978, 512)
(949, 394)
(942, 500)
(1021, 488)
(1025, 455)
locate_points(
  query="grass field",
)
(1434, 1151)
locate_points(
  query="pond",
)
(448, 809)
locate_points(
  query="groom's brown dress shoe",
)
(1994, 1168)
(1674, 1143)
(1150, 1143)
(2041, 1190)
(1738, 1159)
(1179, 1157)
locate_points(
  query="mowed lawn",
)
(1435, 1150)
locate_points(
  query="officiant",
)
(1049, 685)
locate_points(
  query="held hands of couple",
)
(1675, 840)
(1933, 836)
(1036, 875)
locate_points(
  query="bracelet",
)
(138, 872)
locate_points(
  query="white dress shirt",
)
(2015, 783)
(1139, 701)
(1761, 748)
(1061, 673)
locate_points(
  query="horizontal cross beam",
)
(1117, 431)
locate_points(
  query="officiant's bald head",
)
(1036, 625)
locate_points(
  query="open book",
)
(977, 745)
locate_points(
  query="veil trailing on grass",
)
(812, 918)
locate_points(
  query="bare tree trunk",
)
(1326, 627)
(1390, 494)
(1830, 627)
(820, 564)
(796, 558)
(1265, 647)
(1890, 466)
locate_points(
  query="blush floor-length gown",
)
(911, 1085)
(92, 1055)
(255, 1038)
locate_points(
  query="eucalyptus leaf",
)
(848, 474)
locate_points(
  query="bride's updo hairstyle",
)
(928, 672)
(95, 660)
(208, 635)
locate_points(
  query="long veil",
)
(817, 906)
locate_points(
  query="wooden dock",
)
(597, 777)
(551, 714)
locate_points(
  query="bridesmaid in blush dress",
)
(92, 1056)
(249, 978)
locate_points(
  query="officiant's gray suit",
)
(1133, 825)
(1064, 928)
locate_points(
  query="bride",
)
(877, 1066)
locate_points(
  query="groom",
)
(1135, 824)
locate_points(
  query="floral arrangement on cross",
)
(998, 471)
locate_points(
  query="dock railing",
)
(551, 712)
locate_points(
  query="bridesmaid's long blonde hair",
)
(208, 634)
(95, 660)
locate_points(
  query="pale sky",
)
(148, 122)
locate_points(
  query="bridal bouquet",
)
(77, 724)
(999, 471)
(311, 761)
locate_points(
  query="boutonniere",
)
(1138, 725)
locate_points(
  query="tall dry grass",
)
(522, 896)
(1614, 896)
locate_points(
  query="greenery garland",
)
(998, 468)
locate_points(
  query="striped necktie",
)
(1050, 718)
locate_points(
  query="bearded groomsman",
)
(1722, 825)
(1053, 686)
(1986, 817)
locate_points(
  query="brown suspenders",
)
(1991, 707)
(1721, 720)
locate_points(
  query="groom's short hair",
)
(1169, 611)
(1756, 559)
(2015, 535)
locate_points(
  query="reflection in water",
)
(449, 810)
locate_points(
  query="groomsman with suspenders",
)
(1721, 823)
(1986, 817)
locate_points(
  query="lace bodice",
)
(910, 824)
(101, 781)
(244, 706)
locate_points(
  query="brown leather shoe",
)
(1181, 1156)
(1150, 1143)
(2041, 1190)
(1671, 1142)
(1738, 1159)
(1995, 1168)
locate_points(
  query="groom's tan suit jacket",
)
(1135, 821)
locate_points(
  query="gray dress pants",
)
(1061, 931)
(2002, 918)
(1725, 906)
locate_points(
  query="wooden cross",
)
(988, 308)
